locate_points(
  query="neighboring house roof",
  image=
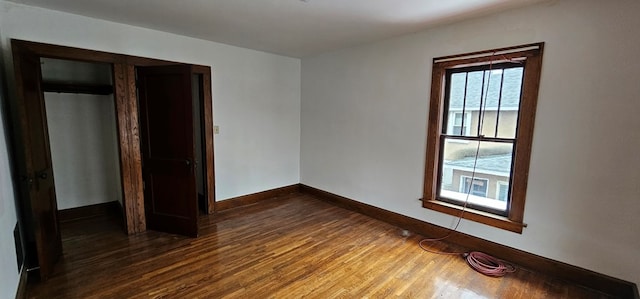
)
(494, 163)
(511, 87)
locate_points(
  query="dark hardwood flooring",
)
(290, 247)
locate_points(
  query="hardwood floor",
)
(289, 247)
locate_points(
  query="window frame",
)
(530, 56)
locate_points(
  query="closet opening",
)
(83, 136)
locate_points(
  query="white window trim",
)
(467, 122)
(463, 178)
(498, 184)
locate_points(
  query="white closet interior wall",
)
(82, 135)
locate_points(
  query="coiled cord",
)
(479, 261)
(488, 265)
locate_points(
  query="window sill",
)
(474, 215)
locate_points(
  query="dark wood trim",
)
(122, 126)
(207, 107)
(64, 52)
(87, 55)
(532, 59)
(526, 122)
(143, 61)
(90, 211)
(21, 293)
(256, 197)
(38, 205)
(129, 147)
(587, 278)
(475, 61)
(135, 154)
(433, 131)
(475, 215)
(485, 53)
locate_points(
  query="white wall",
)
(364, 116)
(84, 149)
(9, 274)
(256, 94)
(8, 267)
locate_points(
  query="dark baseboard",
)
(21, 293)
(587, 278)
(72, 214)
(255, 197)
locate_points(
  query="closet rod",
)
(61, 87)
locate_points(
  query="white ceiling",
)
(288, 27)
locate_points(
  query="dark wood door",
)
(168, 148)
(36, 169)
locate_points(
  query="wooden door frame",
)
(126, 103)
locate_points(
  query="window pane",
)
(503, 191)
(458, 128)
(492, 166)
(474, 90)
(491, 97)
(456, 91)
(510, 102)
(490, 100)
(447, 175)
(457, 119)
(458, 122)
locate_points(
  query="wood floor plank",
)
(291, 247)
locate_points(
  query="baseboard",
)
(73, 214)
(21, 293)
(589, 279)
(255, 197)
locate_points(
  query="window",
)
(478, 188)
(481, 119)
(502, 191)
(459, 123)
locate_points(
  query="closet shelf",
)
(65, 87)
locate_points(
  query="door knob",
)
(43, 175)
